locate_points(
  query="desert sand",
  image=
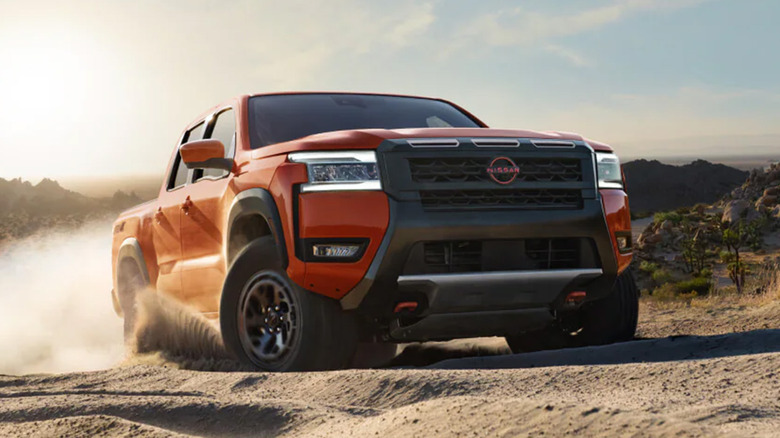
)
(707, 385)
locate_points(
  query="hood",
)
(371, 138)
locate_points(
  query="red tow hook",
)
(406, 305)
(575, 297)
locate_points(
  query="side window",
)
(224, 130)
(195, 133)
(180, 171)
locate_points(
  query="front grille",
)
(553, 253)
(447, 170)
(501, 255)
(465, 174)
(454, 256)
(499, 199)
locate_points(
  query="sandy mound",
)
(688, 386)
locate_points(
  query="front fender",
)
(257, 201)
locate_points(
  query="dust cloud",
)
(55, 304)
(168, 333)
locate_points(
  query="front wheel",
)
(270, 323)
(611, 319)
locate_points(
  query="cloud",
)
(569, 55)
(520, 26)
(661, 123)
(702, 96)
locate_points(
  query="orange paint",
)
(618, 217)
(202, 150)
(346, 214)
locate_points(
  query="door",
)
(166, 230)
(203, 223)
(166, 224)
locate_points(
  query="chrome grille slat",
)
(472, 169)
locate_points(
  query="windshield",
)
(280, 118)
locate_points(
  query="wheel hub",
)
(268, 317)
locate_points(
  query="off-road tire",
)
(324, 337)
(611, 319)
(131, 282)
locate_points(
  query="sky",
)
(104, 88)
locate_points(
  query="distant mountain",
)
(48, 198)
(654, 186)
(26, 208)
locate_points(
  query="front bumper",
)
(385, 282)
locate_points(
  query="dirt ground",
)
(725, 380)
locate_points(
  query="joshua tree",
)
(694, 249)
(736, 236)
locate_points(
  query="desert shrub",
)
(687, 296)
(648, 267)
(661, 276)
(705, 273)
(672, 216)
(697, 285)
(700, 208)
(667, 292)
(726, 256)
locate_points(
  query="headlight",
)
(339, 170)
(610, 176)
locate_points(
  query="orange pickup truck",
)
(310, 222)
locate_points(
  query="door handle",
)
(158, 215)
(185, 206)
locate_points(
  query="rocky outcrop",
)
(761, 190)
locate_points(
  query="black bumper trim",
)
(470, 324)
(494, 290)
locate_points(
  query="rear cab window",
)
(179, 171)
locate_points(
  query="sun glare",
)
(47, 72)
(48, 82)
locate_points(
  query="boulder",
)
(735, 210)
(766, 200)
(653, 239)
(752, 215)
(772, 191)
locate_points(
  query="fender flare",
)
(131, 249)
(257, 201)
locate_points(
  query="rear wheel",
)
(131, 282)
(612, 319)
(270, 323)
